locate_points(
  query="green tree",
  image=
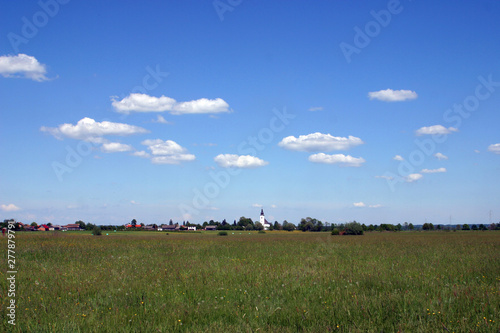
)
(353, 228)
(288, 226)
(465, 227)
(259, 226)
(96, 231)
(34, 224)
(410, 226)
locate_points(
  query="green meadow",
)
(248, 282)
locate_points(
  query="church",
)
(263, 220)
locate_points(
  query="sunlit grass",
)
(273, 282)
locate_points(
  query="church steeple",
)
(262, 212)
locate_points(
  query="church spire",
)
(262, 212)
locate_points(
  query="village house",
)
(71, 227)
(211, 227)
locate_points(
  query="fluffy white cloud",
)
(144, 103)
(239, 161)
(319, 142)
(359, 204)
(90, 130)
(433, 170)
(22, 65)
(9, 208)
(390, 95)
(257, 205)
(115, 147)
(340, 159)
(398, 158)
(494, 148)
(440, 156)
(413, 177)
(141, 153)
(435, 129)
(167, 152)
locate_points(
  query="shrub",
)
(96, 231)
(222, 233)
(335, 232)
(262, 232)
(353, 228)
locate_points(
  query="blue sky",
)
(380, 112)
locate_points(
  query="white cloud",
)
(145, 103)
(390, 95)
(435, 129)
(477, 151)
(115, 147)
(440, 156)
(273, 206)
(315, 108)
(375, 206)
(133, 202)
(90, 130)
(22, 65)
(173, 159)
(413, 177)
(9, 208)
(494, 148)
(239, 161)
(398, 158)
(319, 142)
(359, 204)
(257, 205)
(340, 159)
(385, 177)
(141, 153)
(161, 120)
(167, 152)
(433, 170)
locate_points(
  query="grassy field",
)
(248, 282)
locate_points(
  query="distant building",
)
(192, 228)
(211, 227)
(263, 220)
(71, 227)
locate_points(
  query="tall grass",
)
(273, 282)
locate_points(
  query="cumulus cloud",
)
(413, 177)
(90, 130)
(440, 156)
(390, 95)
(494, 148)
(167, 152)
(141, 153)
(359, 204)
(375, 206)
(315, 108)
(144, 103)
(239, 161)
(115, 147)
(398, 158)
(257, 205)
(341, 159)
(435, 129)
(22, 65)
(9, 208)
(433, 170)
(319, 142)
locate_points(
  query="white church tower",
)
(263, 220)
